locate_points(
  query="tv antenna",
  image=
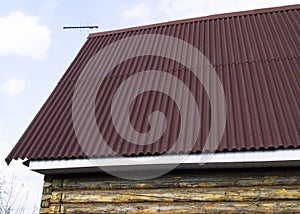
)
(89, 27)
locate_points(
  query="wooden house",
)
(254, 167)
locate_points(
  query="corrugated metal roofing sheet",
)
(256, 55)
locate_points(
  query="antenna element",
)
(81, 27)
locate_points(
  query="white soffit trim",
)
(276, 158)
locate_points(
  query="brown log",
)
(280, 206)
(183, 180)
(178, 195)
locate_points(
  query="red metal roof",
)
(256, 55)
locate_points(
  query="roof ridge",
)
(203, 18)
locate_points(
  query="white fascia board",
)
(276, 158)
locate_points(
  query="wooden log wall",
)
(182, 191)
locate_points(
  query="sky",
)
(35, 52)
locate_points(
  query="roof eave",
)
(249, 159)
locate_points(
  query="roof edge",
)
(276, 158)
(204, 18)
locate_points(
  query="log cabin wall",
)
(180, 191)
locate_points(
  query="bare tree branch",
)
(10, 197)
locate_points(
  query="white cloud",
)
(196, 8)
(14, 86)
(165, 10)
(23, 36)
(138, 11)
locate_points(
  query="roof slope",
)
(256, 55)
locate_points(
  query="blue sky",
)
(35, 52)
